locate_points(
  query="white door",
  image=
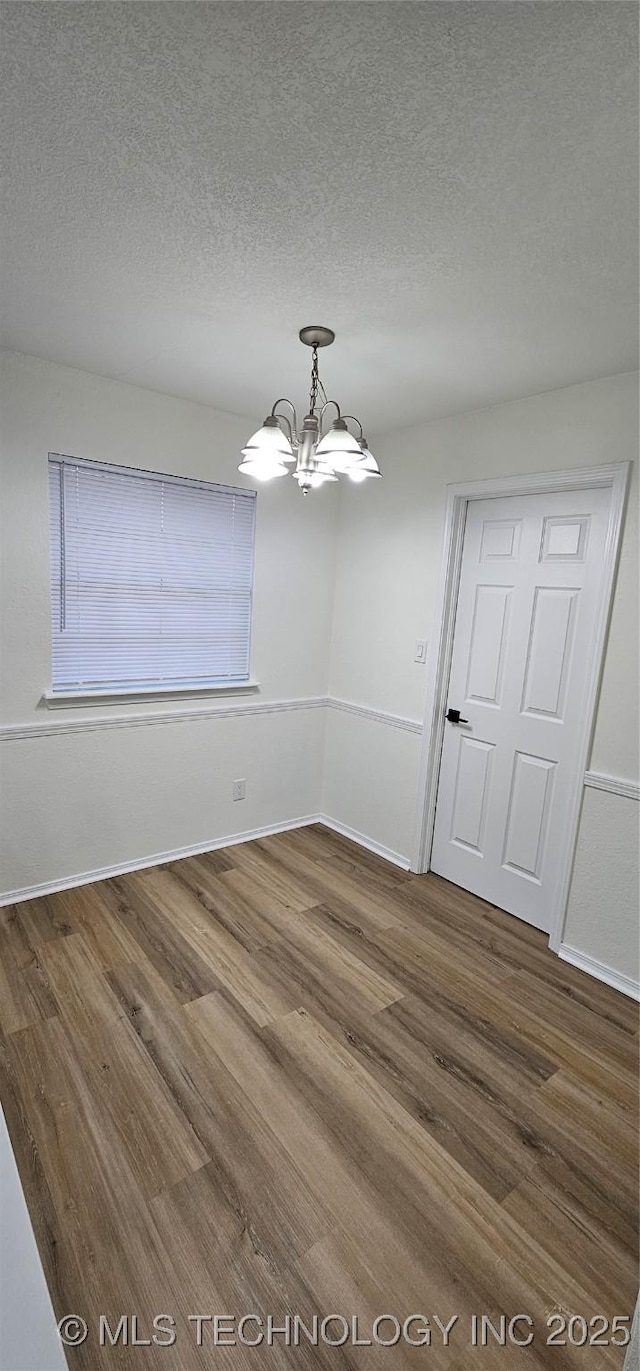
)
(523, 642)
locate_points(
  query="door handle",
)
(453, 717)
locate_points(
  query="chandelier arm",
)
(356, 421)
(326, 406)
(293, 431)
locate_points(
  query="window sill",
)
(70, 699)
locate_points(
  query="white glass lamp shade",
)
(269, 441)
(345, 462)
(262, 468)
(339, 447)
(368, 466)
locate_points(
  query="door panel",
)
(470, 798)
(528, 814)
(500, 540)
(564, 539)
(488, 641)
(523, 637)
(549, 655)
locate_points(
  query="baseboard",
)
(32, 892)
(600, 970)
(625, 984)
(387, 852)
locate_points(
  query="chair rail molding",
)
(90, 724)
(51, 728)
(378, 716)
(615, 785)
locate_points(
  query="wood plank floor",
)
(287, 1078)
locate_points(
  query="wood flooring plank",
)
(276, 917)
(468, 1230)
(230, 962)
(575, 1022)
(493, 1151)
(352, 1205)
(314, 966)
(25, 993)
(158, 1141)
(224, 1267)
(341, 1278)
(261, 1188)
(43, 919)
(553, 1129)
(252, 917)
(334, 851)
(272, 876)
(577, 1237)
(520, 946)
(57, 1255)
(221, 859)
(157, 934)
(114, 1260)
(323, 884)
(287, 1077)
(498, 1001)
(583, 1113)
(89, 910)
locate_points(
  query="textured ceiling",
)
(451, 187)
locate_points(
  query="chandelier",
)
(322, 450)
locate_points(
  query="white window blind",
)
(151, 579)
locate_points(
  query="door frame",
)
(458, 498)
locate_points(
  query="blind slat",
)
(151, 578)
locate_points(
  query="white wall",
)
(28, 1341)
(76, 801)
(388, 559)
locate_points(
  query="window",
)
(151, 580)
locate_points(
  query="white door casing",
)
(534, 574)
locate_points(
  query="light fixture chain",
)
(315, 380)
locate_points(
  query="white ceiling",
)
(451, 187)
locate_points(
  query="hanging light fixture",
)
(319, 451)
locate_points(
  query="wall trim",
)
(14, 732)
(54, 727)
(615, 785)
(32, 892)
(378, 716)
(600, 970)
(396, 858)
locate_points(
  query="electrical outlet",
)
(420, 654)
(239, 790)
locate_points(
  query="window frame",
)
(65, 697)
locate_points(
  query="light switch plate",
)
(420, 654)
